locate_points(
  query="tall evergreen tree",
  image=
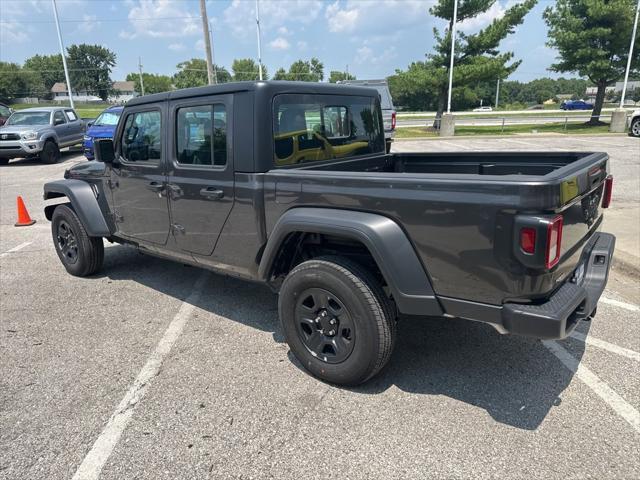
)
(592, 38)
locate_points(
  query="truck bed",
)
(459, 210)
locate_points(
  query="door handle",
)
(155, 187)
(212, 193)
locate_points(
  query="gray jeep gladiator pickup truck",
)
(40, 132)
(289, 184)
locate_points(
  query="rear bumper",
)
(556, 318)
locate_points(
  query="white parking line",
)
(93, 463)
(616, 303)
(15, 249)
(591, 380)
(596, 342)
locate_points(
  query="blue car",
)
(576, 105)
(103, 127)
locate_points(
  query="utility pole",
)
(140, 72)
(213, 55)
(62, 52)
(207, 42)
(453, 49)
(497, 93)
(259, 41)
(633, 40)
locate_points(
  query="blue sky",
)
(372, 37)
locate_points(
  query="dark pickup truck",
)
(289, 184)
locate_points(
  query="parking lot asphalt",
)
(227, 400)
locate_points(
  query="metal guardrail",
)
(505, 121)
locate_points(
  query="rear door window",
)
(201, 135)
(311, 128)
(71, 115)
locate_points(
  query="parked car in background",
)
(102, 127)
(386, 102)
(5, 113)
(485, 108)
(40, 132)
(634, 129)
(576, 105)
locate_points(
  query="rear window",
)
(309, 128)
(385, 97)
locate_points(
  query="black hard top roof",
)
(267, 88)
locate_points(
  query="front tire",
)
(634, 130)
(50, 153)
(337, 320)
(80, 254)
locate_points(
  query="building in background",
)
(122, 93)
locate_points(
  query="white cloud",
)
(481, 21)
(161, 18)
(382, 17)
(89, 23)
(280, 43)
(199, 45)
(367, 55)
(176, 47)
(302, 45)
(240, 16)
(284, 31)
(12, 32)
(341, 20)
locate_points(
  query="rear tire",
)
(80, 254)
(634, 130)
(50, 153)
(337, 320)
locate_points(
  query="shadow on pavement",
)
(514, 379)
(65, 154)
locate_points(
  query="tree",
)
(336, 76)
(50, 69)
(152, 83)
(90, 69)
(16, 83)
(302, 71)
(477, 57)
(193, 73)
(246, 69)
(592, 38)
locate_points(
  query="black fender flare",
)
(385, 240)
(84, 203)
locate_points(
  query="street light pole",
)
(140, 73)
(64, 58)
(259, 41)
(453, 49)
(633, 40)
(497, 93)
(213, 55)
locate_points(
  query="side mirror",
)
(103, 150)
(90, 123)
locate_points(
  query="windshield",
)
(107, 118)
(29, 118)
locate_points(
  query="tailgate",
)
(581, 195)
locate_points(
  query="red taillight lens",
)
(554, 242)
(393, 120)
(528, 240)
(608, 190)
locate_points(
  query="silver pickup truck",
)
(40, 132)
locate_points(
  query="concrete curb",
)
(630, 269)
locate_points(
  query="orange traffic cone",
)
(24, 220)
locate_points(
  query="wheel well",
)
(48, 209)
(299, 247)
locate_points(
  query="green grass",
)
(571, 128)
(85, 111)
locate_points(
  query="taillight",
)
(554, 242)
(528, 240)
(608, 190)
(393, 120)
